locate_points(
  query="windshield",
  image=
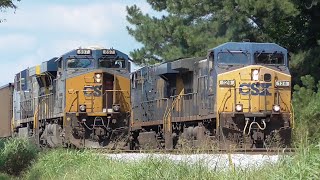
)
(269, 58)
(80, 63)
(112, 63)
(233, 57)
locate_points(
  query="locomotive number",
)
(96, 90)
(261, 89)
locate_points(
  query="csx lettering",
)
(96, 90)
(256, 89)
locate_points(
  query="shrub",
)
(16, 155)
(306, 103)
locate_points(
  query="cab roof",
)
(250, 47)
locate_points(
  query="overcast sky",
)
(40, 30)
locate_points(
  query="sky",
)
(40, 30)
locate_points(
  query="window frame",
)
(248, 55)
(86, 58)
(278, 64)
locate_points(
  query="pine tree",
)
(192, 27)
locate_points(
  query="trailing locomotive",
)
(81, 99)
(238, 96)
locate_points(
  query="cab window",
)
(269, 58)
(233, 57)
(112, 63)
(80, 63)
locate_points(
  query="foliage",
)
(191, 27)
(306, 104)
(305, 63)
(7, 4)
(16, 155)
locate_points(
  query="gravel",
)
(213, 161)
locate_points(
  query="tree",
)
(7, 4)
(191, 27)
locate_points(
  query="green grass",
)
(72, 164)
(68, 164)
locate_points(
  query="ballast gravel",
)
(212, 161)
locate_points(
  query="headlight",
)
(227, 82)
(255, 75)
(276, 108)
(82, 108)
(97, 77)
(116, 107)
(239, 107)
(282, 83)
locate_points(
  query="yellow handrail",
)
(167, 116)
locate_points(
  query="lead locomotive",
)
(239, 96)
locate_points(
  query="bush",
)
(306, 104)
(16, 155)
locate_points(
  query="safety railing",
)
(43, 105)
(177, 106)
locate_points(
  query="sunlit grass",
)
(69, 164)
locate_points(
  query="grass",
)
(72, 164)
(69, 164)
(66, 164)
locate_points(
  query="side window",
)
(133, 80)
(60, 63)
(211, 59)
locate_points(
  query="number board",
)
(109, 51)
(84, 51)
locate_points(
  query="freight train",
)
(81, 99)
(238, 96)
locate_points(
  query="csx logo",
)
(96, 90)
(256, 89)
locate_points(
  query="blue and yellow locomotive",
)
(240, 95)
(81, 99)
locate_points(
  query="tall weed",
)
(16, 155)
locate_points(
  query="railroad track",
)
(273, 151)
